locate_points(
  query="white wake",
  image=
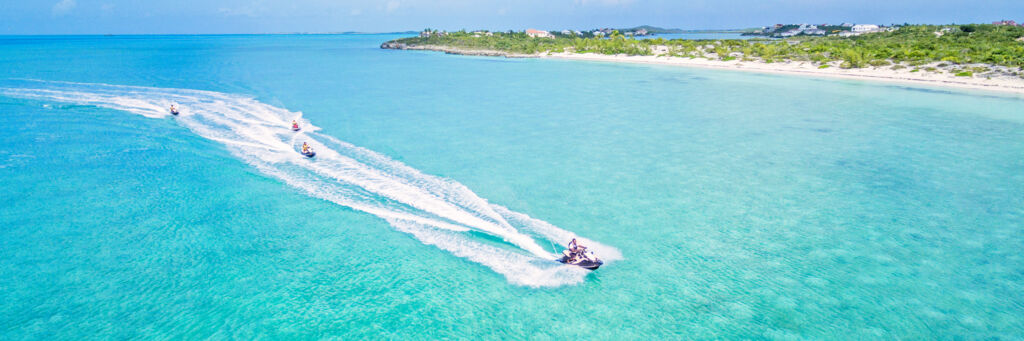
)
(434, 210)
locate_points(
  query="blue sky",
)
(274, 16)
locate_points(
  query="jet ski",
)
(174, 112)
(296, 128)
(309, 153)
(582, 258)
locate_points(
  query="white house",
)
(864, 28)
(538, 33)
(790, 33)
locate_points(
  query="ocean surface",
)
(727, 205)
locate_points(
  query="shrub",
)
(879, 62)
(824, 66)
(964, 74)
(853, 58)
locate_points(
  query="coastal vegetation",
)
(958, 48)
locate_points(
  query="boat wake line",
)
(434, 210)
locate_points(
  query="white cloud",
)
(63, 7)
(392, 6)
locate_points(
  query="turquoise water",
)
(743, 205)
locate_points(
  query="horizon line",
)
(388, 32)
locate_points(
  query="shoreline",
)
(1013, 85)
(1002, 84)
(456, 50)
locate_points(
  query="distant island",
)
(791, 30)
(972, 55)
(639, 31)
(647, 30)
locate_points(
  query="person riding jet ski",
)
(307, 150)
(174, 111)
(295, 126)
(579, 256)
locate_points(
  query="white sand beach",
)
(940, 77)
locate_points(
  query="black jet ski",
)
(296, 128)
(582, 258)
(174, 112)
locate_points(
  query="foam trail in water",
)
(434, 210)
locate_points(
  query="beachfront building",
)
(538, 33)
(1006, 23)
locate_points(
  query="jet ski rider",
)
(305, 148)
(575, 250)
